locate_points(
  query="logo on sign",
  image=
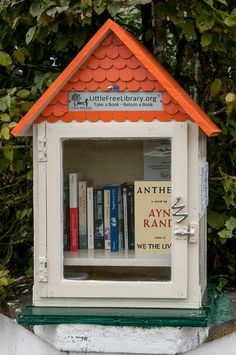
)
(78, 101)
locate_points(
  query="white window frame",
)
(90, 289)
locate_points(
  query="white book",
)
(90, 218)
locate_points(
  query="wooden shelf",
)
(122, 258)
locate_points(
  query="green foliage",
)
(199, 48)
(5, 284)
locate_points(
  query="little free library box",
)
(120, 182)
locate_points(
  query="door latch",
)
(43, 269)
(42, 149)
(187, 232)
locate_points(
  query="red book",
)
(74, 231)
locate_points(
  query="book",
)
(66, 219)
(157, 160)
(130, 214)
(107, 225)
(116, 221)
(82, 198)
(125, 215)
(98, 218)
(90, 218)
(120, 219)
(152, 216)
(73, 206)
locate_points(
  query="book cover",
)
(82, 196)
(73, 203)
(157, 159)
(130, 215)
(107, 225)
(90, 218)
(98, 219)
(152, 216)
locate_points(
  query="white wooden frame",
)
(110, 293)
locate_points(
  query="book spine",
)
(98, 219)
(66, 219)
(107, 226)
(114, 218)
(120, 219)
(125, 213)
(73, 203)
(83, 239)
(130, 212)
(90, 218)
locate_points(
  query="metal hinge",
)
(42, 149)
(43, 269)
(187, 232)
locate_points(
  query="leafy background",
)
(194, 39)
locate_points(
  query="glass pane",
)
(116, 209)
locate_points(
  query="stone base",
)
(81, 338)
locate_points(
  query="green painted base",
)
(135, 317)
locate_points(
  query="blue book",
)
(114, 216)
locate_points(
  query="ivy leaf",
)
(5, 59)
(19, 55)
(222, 2)
(215, 87)
(79, 38)
(23, 94)
(230, 21)
(230, 97)
(26, 106)
(206, 39)
(205, 24)
(209, 2)
(5, 133)
(225, 234)
(4, 117)
(231, 223)
(61, 42)
(35, 9)
(12, 124)
(99, 6)
(56, 10)
(113, 9)
(222, 283)
(30, 34)
(215, 220)
(5, 102)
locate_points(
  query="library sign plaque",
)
(152, 216)
(115, 101)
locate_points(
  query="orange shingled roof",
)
(114, 56)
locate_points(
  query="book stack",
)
(99, 217)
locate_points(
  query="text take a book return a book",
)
(152, 216)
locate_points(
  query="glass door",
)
(115, 189)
